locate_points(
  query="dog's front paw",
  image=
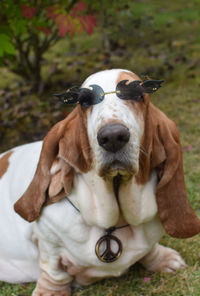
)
(46, 292)
(47, 286)
(163, 259)
(170, 262)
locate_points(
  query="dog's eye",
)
(83, 96)
(132, 91)
(91, 96)
(86, 97)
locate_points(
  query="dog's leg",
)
(46, 285)
(53, 280)
(163, 259)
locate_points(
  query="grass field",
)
(167, 49)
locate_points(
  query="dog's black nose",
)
(113, 137)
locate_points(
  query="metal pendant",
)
(107, 255)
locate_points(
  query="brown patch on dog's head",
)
(139, 108)
(130, 76)
(4, 163)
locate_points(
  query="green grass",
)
(167, 46)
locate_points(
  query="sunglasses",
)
(94, 94)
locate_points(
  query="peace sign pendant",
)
(107, 255)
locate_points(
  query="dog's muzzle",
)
(113, 137)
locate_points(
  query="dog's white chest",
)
(75, 242)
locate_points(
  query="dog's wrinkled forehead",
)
(109, 79)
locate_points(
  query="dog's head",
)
(115, 126)
(114, 130)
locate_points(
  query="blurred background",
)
(48, 46)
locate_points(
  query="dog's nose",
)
(113, 137)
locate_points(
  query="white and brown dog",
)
(100, 191)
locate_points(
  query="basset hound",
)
(101, 190)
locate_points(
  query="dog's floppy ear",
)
(65, 148)
(175, 212)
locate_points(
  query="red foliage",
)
(66, 23)
(28, 11)
(88, 22)
(79, 7)
(50, 12)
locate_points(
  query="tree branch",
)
(49, 41)
(23, 56)
(72, 4)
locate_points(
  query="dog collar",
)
(103, 247)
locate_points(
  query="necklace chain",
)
(107, 256)
(108, 230)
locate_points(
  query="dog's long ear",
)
(65, 148)
(175, 212)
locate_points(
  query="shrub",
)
(29, 28)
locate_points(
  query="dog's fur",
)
(58, 247)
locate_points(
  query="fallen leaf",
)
(187, 148)
(147, 279)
